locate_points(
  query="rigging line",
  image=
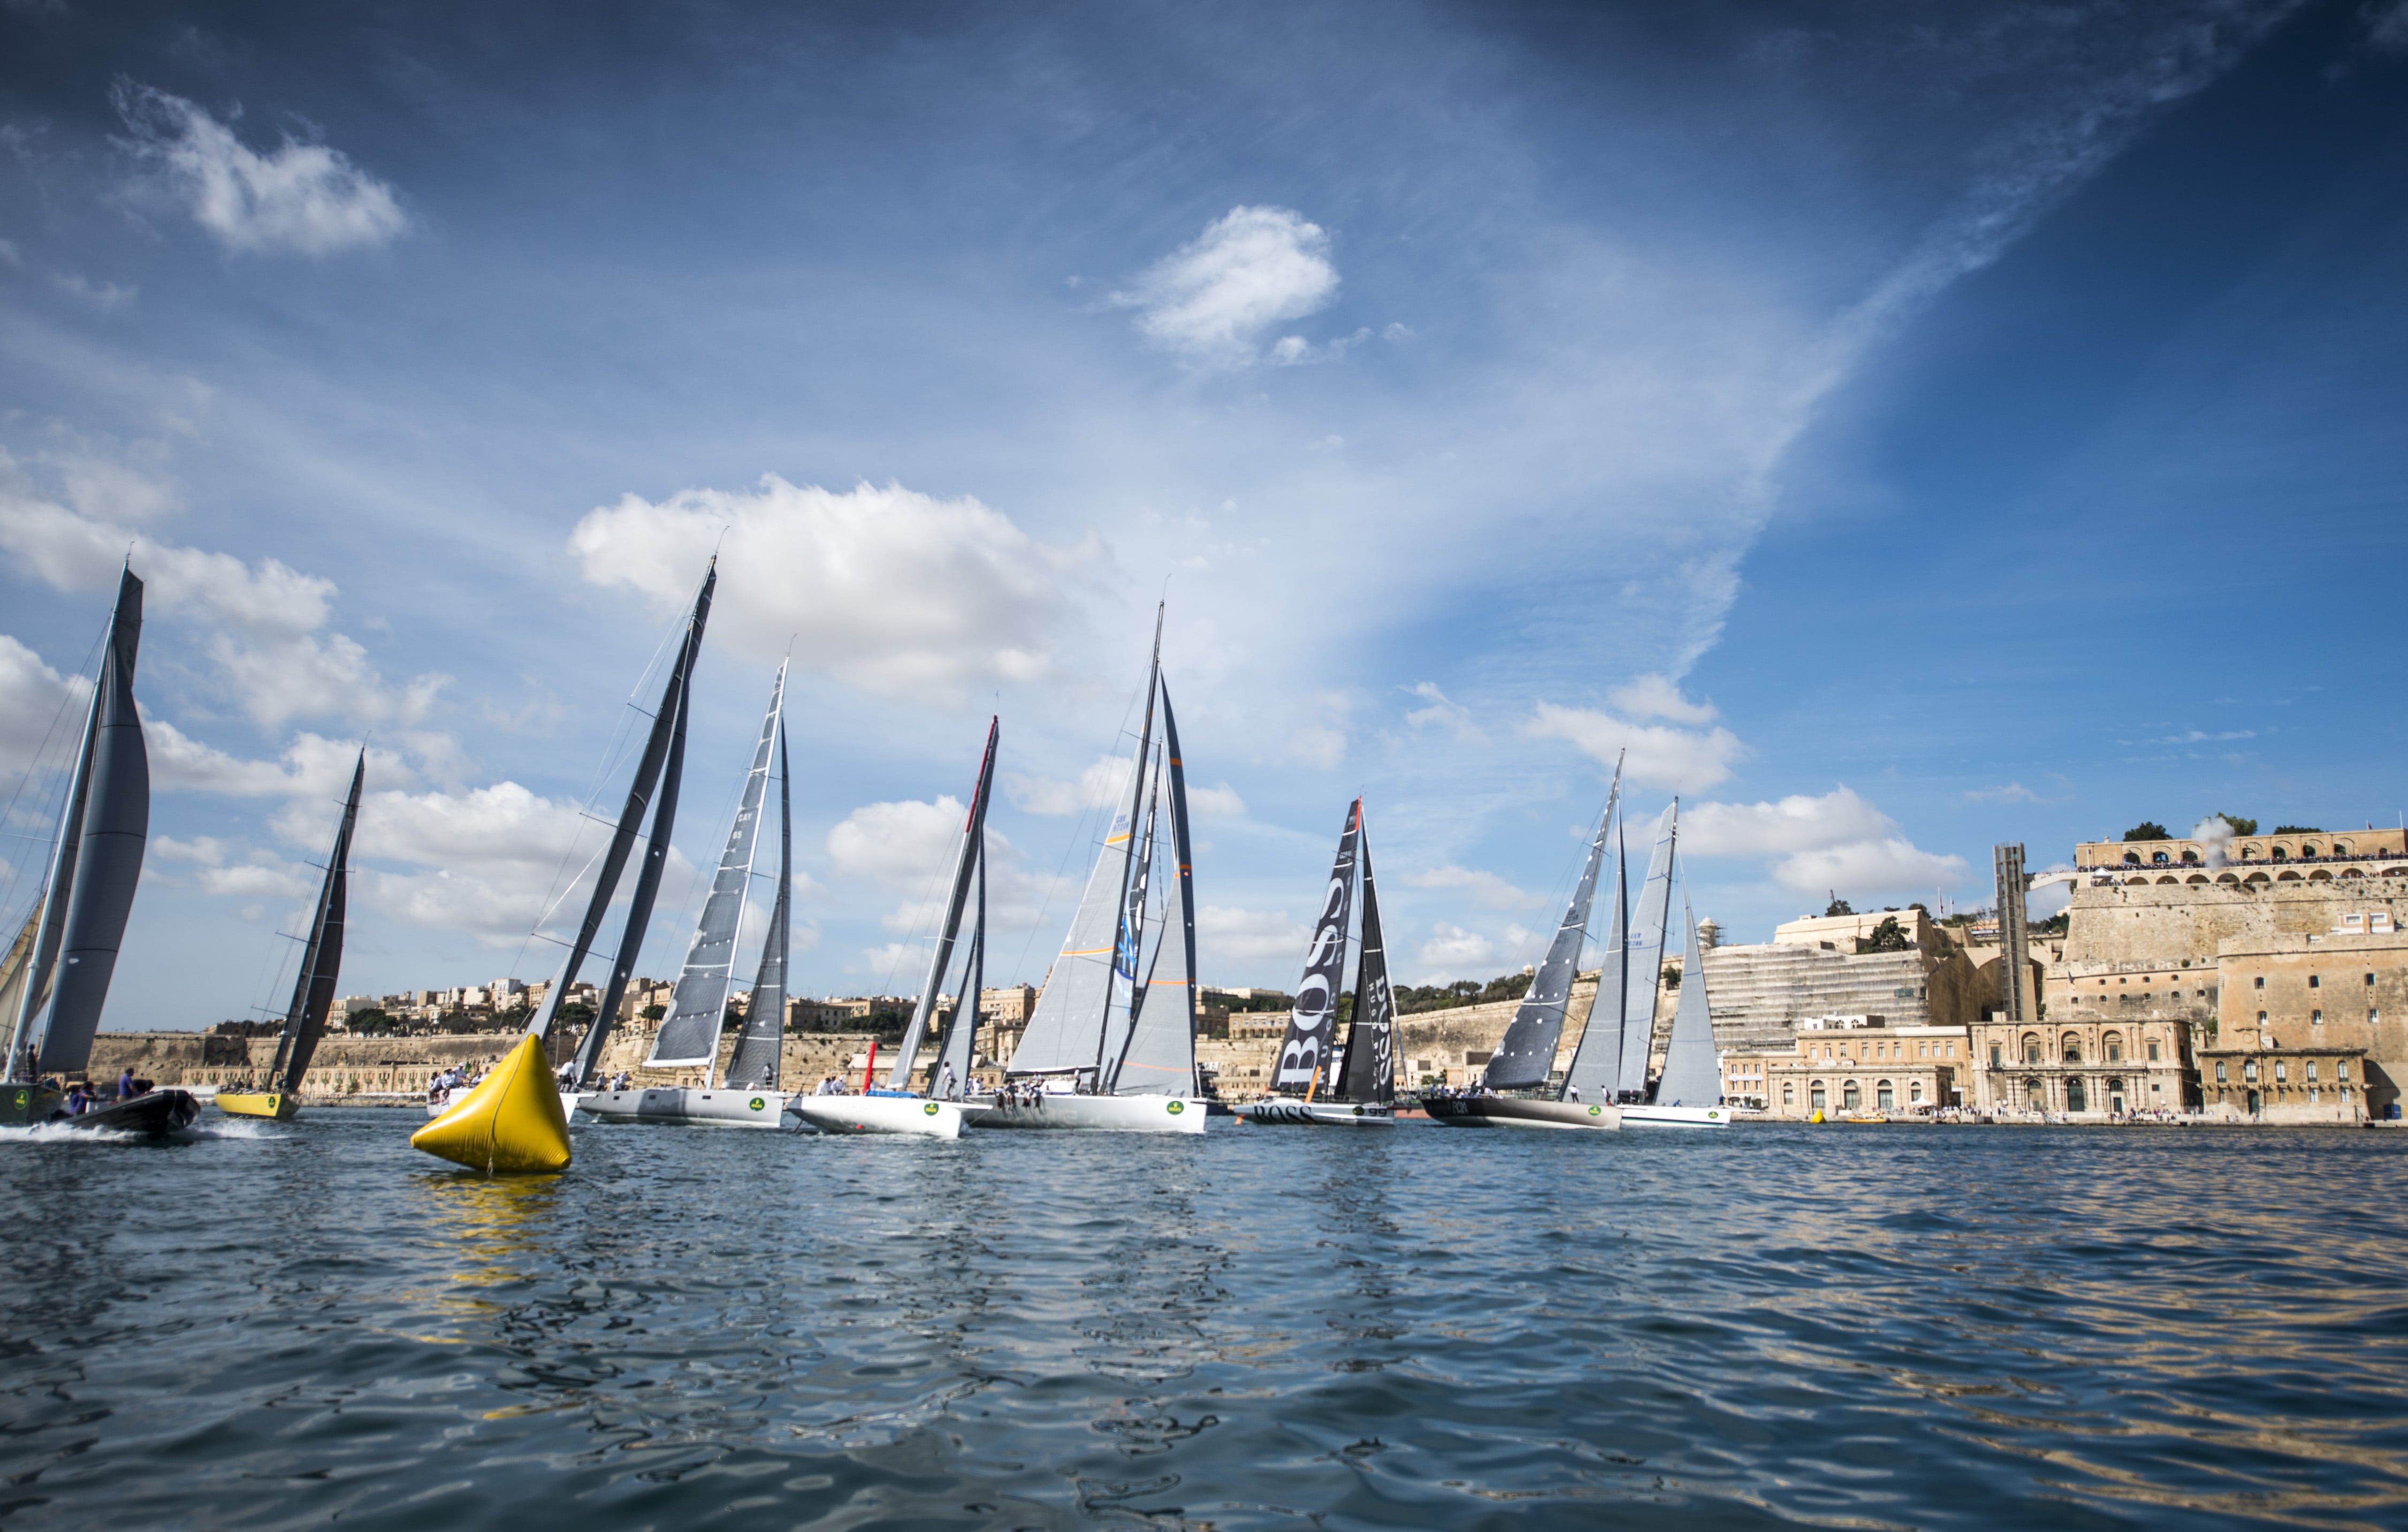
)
(1078, 837)
(34, 766)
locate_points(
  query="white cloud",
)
(888, 589)
(490, 855)
(1226, 936)
(1251, 269)
(2012, 792)
(1453, 953)
(1104, 784)
(1684, 760)
(1443, 712)
(1486, 889)
(109, 298)
(300, 197)
(36, 705)
(1652, 697)
(909, 848)
(1220, 802)
(1837, 841)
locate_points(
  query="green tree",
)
(2149, 829)
(2295, 829)
(2240, 826)
(1671, 976)
(1840, 907)
(1888, 936)
(653, 1013)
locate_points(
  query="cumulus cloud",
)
(1835, 842)
(1104, 784)
(1653, 697)
(299, 197)
(909, 848)
(1227, 937)
(886, 588)
(1486, 889)
(36, 704)
(1452, 952)
(2012, 792)
(484, 859)
(1220, 802)
(1659, 754)
(1252, 269)
(1441, 712)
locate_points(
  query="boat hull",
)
(153, 1114)
(279, 1105)
(1316, 1114)
(24, 1105)
(1096, 1113)
(1513, 1111)
(684, 1106)
(1675, 1117)
(908, 1114)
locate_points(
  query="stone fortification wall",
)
(2159, 925)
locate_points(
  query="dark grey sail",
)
(1597, 1058)
(968, 859)
(755, 1066)
(667, 722)
(699, 1005)
(640, 899)
(98, 861)
(321, 960)
(1528, 1053)
(957, 1049)
(1304, 1054)
(1159, 1057)
(1368, 1073)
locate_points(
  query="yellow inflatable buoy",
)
(1814, 1116)
(511, 1124)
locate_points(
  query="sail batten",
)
(698, 1007)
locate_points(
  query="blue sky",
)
(1904, 428)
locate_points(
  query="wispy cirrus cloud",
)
(1213, 300)
(299, 198)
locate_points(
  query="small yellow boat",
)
(511, 1123)
(282, 1106)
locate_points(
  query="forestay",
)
(698, 1013)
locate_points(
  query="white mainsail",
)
(1160, 1056)
(1692, 1075)
(698, 1013)
(754, 1066)
(1644, 959)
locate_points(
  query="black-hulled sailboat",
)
(1361, 1087)
(938, 1108)
(313, 988)
(690, 1033)
(1516, 1088)
(1111, 1045)
(95, 866)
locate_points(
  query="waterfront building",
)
(2308, 856)
(1843, 1065)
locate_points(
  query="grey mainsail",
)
(754, 1064)
(1597, 1059)
(1692, 1074)
(631, 818)
(1368, 1073)
(1304, 1054)
(973, 845)
(1643, 956)
(698, 1006)
(1528, 1053)
(1159, 1056)
(957, 1051)
(321, 959)
(98, 861)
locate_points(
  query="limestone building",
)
(1761, 993)
(1844, 1065)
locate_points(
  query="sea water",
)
(289, 1324)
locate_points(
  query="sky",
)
(1900, 429)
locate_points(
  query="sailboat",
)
(1514, 1088)
(504, 1127)
(1111, 1044)
(95, 865)
(689, 1035)
(939, 1111)
(314, 987)
(1362, 1087)
(1688, 1093)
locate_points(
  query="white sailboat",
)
(1362, 1081)
(747, 1096)
(1111, 1045)
(941, 1110)
(1689, 1094)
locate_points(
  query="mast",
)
(98, 861)
(972, 856)
(1644, 967)
(631, 817)
(639, 900)
(1367, 1072)
(1597, 1058)
(1527, 1053)
(1312, 1023)
(756, 1060)
(698, 1006)
(321, 960)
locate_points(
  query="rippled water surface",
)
(284, 1326)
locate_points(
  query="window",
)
(2341, 1071)
(1850, 1096)
(2282, 1070)
(2072, 1051)
(1815, 1095)
(1995, 1051)
(2369, 980)
(2153, 1052)
(1951, 1052)
(2374, 1014)
(2312, 981)
(2313, 1096)
(2312, 1071)
(2262, 1018)
(1914, 1090)
(2036, 1096)
(2219, 1071)
(2031, 1050)
(2316, 1018)
(2115, 1050)
(2261, 981)
(1789, 1093)
(2075, 1099)
(2249, 1072)
(1882, 1097)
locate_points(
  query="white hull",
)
(1097, 1113)
(681, 1106)
(1315, 1114)
(909, 1114)
(1676, 1116)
